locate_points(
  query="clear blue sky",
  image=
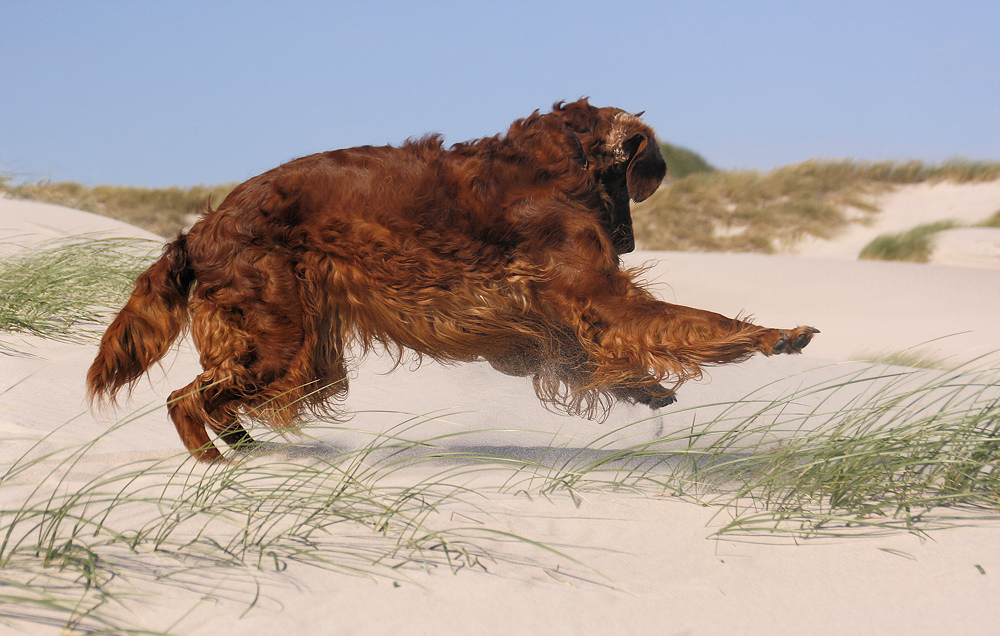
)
(163, 93)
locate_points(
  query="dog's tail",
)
(145, 328)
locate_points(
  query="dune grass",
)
(910, 358)
(62, 289)
(915, 245)
(915, 451)
(162, 211)
(752, 211)
(88, 551)
(876, 450)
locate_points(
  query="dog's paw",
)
(655, 396)
(658, 397)
(794, 341)
(660, 402)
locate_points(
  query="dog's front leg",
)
(628, 334)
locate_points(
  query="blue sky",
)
(164, 93)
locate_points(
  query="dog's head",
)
(622, 152)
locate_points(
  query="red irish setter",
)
(506, 249)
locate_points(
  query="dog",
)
(505, 249)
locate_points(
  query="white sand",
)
(910, 206)
(967, 247)
(662, 572)
(27, 222)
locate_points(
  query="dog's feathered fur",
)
(505, 248)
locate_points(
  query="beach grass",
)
(86, 549)
(910, 358)
(916, 451)
(62, 289)
(875, 450)
(878, 450)
(914, 245)
(917, 244)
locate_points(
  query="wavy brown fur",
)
(505, 248)
(143, 331)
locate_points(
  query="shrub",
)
(681, 162)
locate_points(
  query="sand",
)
(24, 223)
(907, 207)
(660, 568)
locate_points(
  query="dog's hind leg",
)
(202, 405)
(218, 397)
(224, 420)
(646, 391)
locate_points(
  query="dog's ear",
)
(646, 167)
(632, 143)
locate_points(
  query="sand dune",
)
(25, 223)
(909, 206)
(658, 570)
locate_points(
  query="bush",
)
(681, 162)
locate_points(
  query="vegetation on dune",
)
(89, 552)
(162, 211)
(63, 289)
(873, 451)
(682, 162)
(914, 245)
(753, 211)
(912, 450)
(912, 358)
